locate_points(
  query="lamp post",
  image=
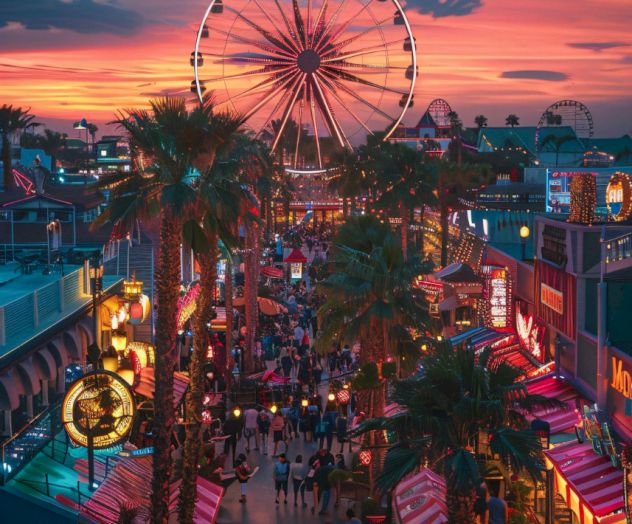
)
(96, 286)
(524, 234)
(84, 124)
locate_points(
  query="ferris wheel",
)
(304, 70)
(569, 113)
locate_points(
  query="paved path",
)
(261, 508)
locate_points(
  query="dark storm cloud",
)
(80, 16)
(549, 76)
(597, 46)
(443, 8)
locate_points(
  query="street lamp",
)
(84, 124)
(96, 286)
(524, 234)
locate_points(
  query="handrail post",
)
(47, 486)
(79, 494)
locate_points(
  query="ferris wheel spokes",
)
(288, 110)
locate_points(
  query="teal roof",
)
(524, 137)
(618, 147)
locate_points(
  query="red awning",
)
(296, 256)
(420, 499)
(272, 272)
(583, 475)
(552, 387)
(147, 385)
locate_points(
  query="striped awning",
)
(147, 385)
(559, 419)
(420, 499)
(209, 496)
(462, 337)
(272, 272)
(588, 482)
(129, 484)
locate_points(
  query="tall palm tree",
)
(92, 129)
(556, 142)
(52, 143)
(512, 120)
(454, 180)
(369, 295)
(215, 214)
(350, 179)
(456, 131)
(448, 413)
(12, 121)
(171, 140)
(480, 121)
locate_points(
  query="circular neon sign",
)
(100, 406)
(619, 197)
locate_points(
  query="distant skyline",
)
(69, 60)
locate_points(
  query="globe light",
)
(109, 358)
(424, 347)
(524, 232)
(273, 408)
(439, 338)
(331, 397)
(304, 403)
(237, 412)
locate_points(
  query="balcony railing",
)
(619, 248)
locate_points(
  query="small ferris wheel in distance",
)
(336, 70)
(570, 113)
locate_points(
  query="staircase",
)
(562, 515)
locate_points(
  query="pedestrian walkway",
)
(261, 508)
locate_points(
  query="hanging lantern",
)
(132, 289)
(135, 313)
(209, 352)
(365, 457)
(119, 340)
(206, 417)
(121, 315)
(331, 397)
(343, 396)
(110, 358)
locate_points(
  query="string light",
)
(583, 199)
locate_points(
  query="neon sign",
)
(530, 334)
(619, 197)
(621, 378)
(498, 298)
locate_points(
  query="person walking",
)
(263, 425)
(278, 431)
(242, 472)
(497, 510)
(280, 474)
(298, 474)
(250, 427)
(351, 518)
(321, 479)
(232, 429)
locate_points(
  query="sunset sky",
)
(73, 59)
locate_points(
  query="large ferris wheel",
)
(303, 70)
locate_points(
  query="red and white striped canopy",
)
(583, 474)
(147, 385)
(272, 272)
(559, 419)
(420, 499)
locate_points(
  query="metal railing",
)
(20, 449)
(619, 248)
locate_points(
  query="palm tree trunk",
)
(192, 445)
(6, 163)
(228, 301)
(345, 208)
(251, 280)
(445, 236)
(422, 231)
(460, 506)
(167, 283)
(404, 232)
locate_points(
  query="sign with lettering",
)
(621, 378)
(619, 197)
(552, 298)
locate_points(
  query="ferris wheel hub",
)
(308, 61)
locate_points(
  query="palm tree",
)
(454, 180)
(456, 130)
(92, 129)
(350, 180)
(12, 121)
(447, 416)
(52, 143)
(512, 120)
(480, 121)
(369, 295)
(215, 215)
(557, 142)
(171, 140)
